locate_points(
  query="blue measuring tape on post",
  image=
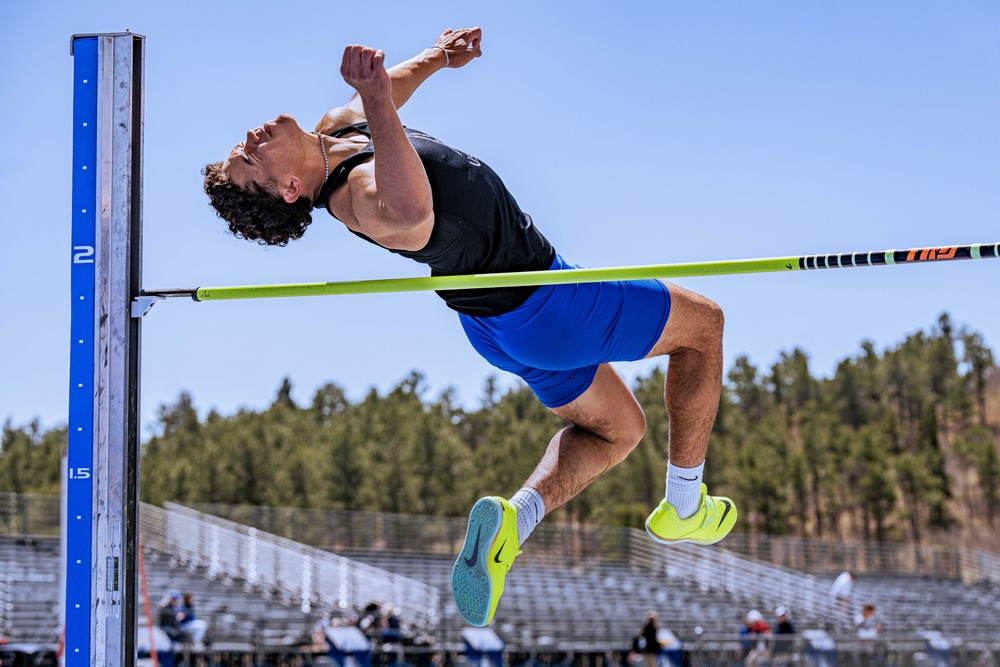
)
(80, 449)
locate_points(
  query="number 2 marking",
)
(83, 254)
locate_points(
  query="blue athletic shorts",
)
(556, 339)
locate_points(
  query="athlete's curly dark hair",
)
(253, 213)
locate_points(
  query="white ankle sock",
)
(684, 488)
(530, 510)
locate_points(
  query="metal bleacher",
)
(238, 614)
(945, 604)
(707, 588)
(29, 568)
(596, 607)
(247, 584)
(299, 584)
(576, 588)
(255, 588)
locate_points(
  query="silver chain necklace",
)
(326, 163)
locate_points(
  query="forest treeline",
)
(898, 445)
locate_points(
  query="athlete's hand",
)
(461, 45)
(363, 68)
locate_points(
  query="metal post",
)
(102, 456)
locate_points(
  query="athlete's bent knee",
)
(630, 432)
(706, 324)
(715, 318)
(637, 429)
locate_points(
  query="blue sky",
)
(634, 133)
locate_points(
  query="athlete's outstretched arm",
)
(461, 46)
(390, 196)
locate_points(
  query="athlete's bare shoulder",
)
(337, 118)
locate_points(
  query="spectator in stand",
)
(755, 632)
(782, 648)
(370, 622)
(842, 591)
(190, 623)
(867, 628)
(318, 642)
(649, 640)
(392, 632)
(169, 621)
(866, 624)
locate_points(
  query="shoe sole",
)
(684, 540)
(471, 585)
(704, 543)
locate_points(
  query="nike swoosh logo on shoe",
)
(475, 551)
(729, 506)
(496, 559)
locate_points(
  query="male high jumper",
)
(417, 197)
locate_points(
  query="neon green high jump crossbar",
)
(683, 270)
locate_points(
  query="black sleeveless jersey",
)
(478, 227)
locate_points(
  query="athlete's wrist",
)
(447, 58)
(436, 56)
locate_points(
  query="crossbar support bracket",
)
(143, 304)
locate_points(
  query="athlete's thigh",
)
(695, 322)
(607, 408)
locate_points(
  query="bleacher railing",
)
(814, 555)
(5, 607)
(760, 584)
(344, 531)
(979, 565)
(268, 562)
(341, 530)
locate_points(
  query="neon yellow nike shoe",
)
(714, 519)
(491, 544)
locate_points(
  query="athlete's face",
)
(269, 154)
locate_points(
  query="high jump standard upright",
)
(100, 498)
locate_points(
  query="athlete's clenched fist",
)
(363, 68)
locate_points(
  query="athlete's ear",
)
(291, 190)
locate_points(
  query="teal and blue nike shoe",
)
(491, 545)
